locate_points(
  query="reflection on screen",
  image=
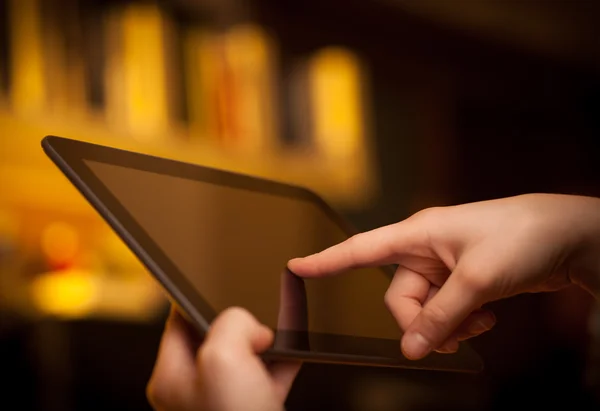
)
(233, 245)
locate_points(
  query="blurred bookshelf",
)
(276, 89)
(129, 75)
(156, 78)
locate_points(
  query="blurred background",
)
(384, 107)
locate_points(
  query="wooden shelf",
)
(28, 178)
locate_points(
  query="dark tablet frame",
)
(70, 155)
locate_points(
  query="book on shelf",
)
(94, 54)
(337, 103)
(231, 87)
(52, 57)
(142, 69)
(138, 88)
(64, 68)
(202, 71)
(4, 50)
(28, 93)
(298, 125)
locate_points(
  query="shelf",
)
(28, 178)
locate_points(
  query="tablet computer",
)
(215, 239)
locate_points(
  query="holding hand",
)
(224, 372)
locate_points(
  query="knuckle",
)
(389, 300)
(429, 215)
(355, 241)
(428, 221)
(356, 238)
(473, 282)
(213, 359)
(235, 311)
(159, 395)
(235, 314)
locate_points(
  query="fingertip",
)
(449, 347)
(294, 264)
(266, 334)
(262, 339)
(478, 323)
(301, 265)
(295, 260)
(481, 326)
(174, 319)
(175, 326)
(415, 346)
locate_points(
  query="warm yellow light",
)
(144, 69)
(335, 84)
(68, 294)
(60, 243)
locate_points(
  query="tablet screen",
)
(232, 244)
(216, 239)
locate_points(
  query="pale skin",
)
(452, 261)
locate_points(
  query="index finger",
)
(381, 246)
(177, 348)
(292, 320)
(171, 384)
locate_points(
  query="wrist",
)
(585, 267)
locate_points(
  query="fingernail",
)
(449, 347)
(415, 346)
(481, 325)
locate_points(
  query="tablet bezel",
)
(70, 156)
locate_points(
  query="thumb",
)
(441, 316)
(237, 332)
